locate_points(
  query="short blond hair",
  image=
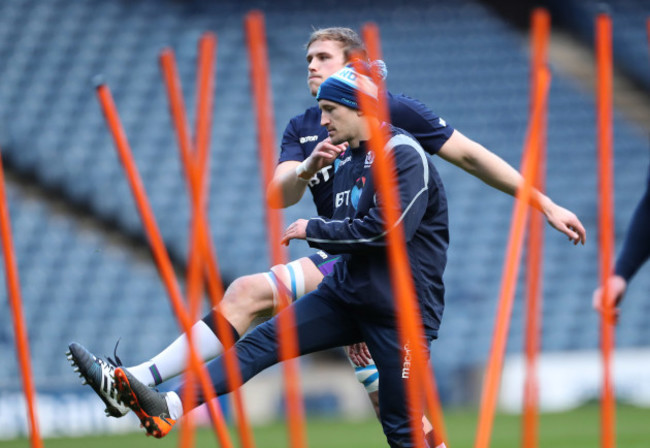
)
(350, 41)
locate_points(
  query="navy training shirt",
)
(636, 248)
(357, 230)
(304, 132)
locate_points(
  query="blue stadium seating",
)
(463, 61)
(629, 33)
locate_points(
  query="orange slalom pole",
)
(207, 53)
(401, 280)
(511, 266)
(198, 166)
(370, 32)
(15, 302)
(194, 291)
(256, 41)
(193, 168)
(288, 339)
(541, 31)
(198, 192)
(205, 95)
(194, 287)
(160, 255)
(206, 50)
(604, 100)
(541, 26)
(409, 320)
(195, 263)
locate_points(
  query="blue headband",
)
(344, 86)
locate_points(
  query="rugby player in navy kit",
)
(304, 162)
(635, 252)
(355, 303)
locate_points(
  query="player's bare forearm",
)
(480, 163)
(286, 188)
(497, 173)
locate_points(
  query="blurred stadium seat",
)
(463, 61)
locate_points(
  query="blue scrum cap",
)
(344, 86)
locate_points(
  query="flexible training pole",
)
(511, 266)
(605, 219)
(198, 199)
(205, 91)
(15, 302)
(288, 340)
(541, 27)
(401, 280)
(160, 255)
(204, 102)
(372, 40)
(195, 166)
(409, 320)
(194, 288)
(204, 120)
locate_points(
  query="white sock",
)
(172, 361)
(442, 445)
(175, 405)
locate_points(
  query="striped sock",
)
(172, 361)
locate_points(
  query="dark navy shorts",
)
(324, 261)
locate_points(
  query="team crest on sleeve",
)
(370, 157)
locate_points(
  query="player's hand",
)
(359, 354)
(296, 231)
(566, 222)
(323, 155)
(616, 286)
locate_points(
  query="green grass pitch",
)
(575, 429)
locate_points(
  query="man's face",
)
(324, 58)
(342, 123)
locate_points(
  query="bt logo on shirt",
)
(324, 173)
(350, 196)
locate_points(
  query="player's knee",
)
(368, 376)
(239, 289)
(250, 292)
(288, 280)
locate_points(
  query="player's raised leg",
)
(245, 299)
(320, 324)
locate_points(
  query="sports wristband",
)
(301, 172)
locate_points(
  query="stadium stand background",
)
(84, 267)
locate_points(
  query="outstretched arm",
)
(497, 173)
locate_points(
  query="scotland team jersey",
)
(636, 247)
(304, 132)
(356, 230)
